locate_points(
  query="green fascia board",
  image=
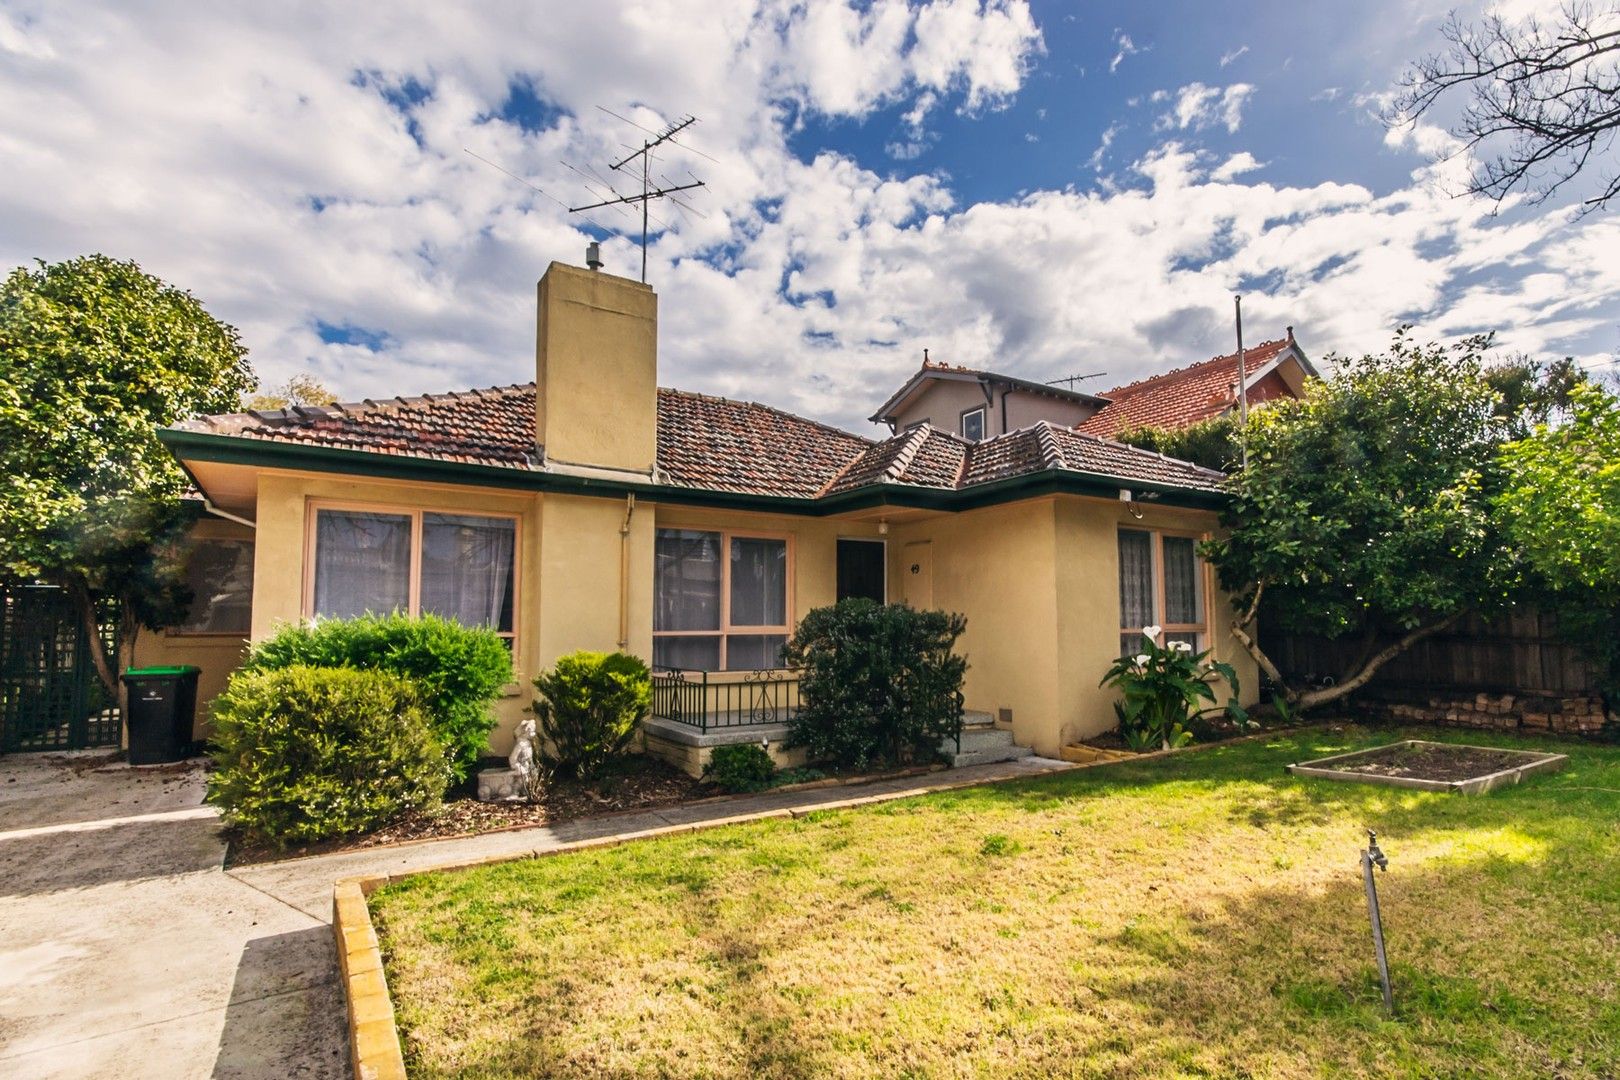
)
(233, 450)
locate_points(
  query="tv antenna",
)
(1072, 379)
(648, 191)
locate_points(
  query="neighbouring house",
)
(1205, 390)
(980, 405)
(593, 509)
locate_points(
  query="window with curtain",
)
(460, 566)
(1161, 582)
(720, 601)
(220, 576)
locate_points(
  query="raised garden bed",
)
(1433, 766)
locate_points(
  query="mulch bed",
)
(1432, 761)
(640, 783)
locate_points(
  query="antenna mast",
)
(1072, 379)
(648, 192)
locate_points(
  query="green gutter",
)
(234, 450)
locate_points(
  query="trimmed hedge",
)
(304, 753)
(459, 671)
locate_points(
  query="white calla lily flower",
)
(1152, 632)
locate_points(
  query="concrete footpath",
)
(126, 950)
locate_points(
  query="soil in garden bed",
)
(637, 782)
(1432, 761)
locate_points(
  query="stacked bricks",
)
(1563, 716)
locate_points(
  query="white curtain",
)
(1135, 579)
(362, 563)
(758, 582)
(1182, 596)
(467, 569)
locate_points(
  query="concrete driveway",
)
(126, 952)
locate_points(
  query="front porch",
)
(693, 711)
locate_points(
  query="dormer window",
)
(973, 424)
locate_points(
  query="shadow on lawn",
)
(1490, 978)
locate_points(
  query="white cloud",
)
(1110, 133)
(1124, 47)
(240, 155)
(1198, 106)
(1229, 57)
(1235, 166)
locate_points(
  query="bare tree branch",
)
(1542, 102)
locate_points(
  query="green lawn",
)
(1197, 915)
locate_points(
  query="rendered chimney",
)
(596, 372)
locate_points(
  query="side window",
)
(1161, 583)
(220, 575)
(973, 424)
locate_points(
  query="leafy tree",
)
(1212, 443)
(1542, 98)
(1367, 508)
(301, 389)
(1561, 502)
(1561, 507)
(95, 356)
(1533, 392)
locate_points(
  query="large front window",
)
(720, 600)
(461, 566)
(1161, 583)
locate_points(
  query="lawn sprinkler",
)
(1372, 856)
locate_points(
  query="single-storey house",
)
(592, 509)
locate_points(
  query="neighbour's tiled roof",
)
(1181, 397)
(711, 444)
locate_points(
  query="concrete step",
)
(988, 757)
(982, 746)
(977, 718)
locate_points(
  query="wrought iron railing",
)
(707, 700)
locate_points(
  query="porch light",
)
(883, 526)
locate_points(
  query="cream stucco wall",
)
(282, 558)
(1038, 581)
(1039, 584)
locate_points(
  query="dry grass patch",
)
(1191, 916)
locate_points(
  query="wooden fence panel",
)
(1521, 652)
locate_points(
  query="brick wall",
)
(1505, 712)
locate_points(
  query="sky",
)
(370, 193)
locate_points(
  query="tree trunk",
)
(1371, 661)
(128, 628)
(86, 606)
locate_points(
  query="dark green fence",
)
(50, 696)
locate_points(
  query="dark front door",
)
(861, 569)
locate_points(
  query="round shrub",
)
(877, 683)
(304, 753)
(458, 670)
(741, 767)
(587, 709)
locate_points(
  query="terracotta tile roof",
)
(923, 456)
(723, 445)
(1181, 397)
(1046, 445)
(711, 444)
(482, 427)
